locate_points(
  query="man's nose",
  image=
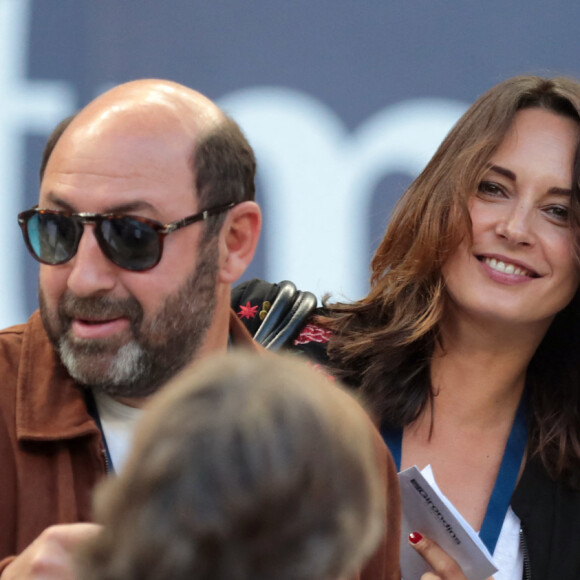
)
(91, 271)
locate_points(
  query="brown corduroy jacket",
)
(52, 455)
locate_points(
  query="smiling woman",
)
(467, 344)
(519, 265)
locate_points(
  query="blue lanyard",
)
(506, 478)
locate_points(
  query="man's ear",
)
(238, 240)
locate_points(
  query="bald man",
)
(146, 216)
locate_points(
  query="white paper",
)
(427, 511)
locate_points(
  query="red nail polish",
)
(415, 537)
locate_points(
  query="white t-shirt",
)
(118, 422)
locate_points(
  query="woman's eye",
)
(490, 189)
(558, 213)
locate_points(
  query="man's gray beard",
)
(158, 349)
(128, 365)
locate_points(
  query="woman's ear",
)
(238, 240)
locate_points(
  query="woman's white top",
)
(508, 555)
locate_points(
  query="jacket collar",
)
(49, 406)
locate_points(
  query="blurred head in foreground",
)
(245, 468)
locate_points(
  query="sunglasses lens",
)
(130, 243)
(53, 238)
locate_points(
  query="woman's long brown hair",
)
(383, 343)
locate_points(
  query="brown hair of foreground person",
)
(245, 468)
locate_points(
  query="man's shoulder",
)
(13, 332)
(12, 338)
(27, 340)
(12, 347)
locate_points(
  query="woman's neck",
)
(478, 373)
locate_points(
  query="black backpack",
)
(273, 313)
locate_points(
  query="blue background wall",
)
(344, 101)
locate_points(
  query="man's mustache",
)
(100, 307)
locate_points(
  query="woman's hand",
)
(444, 566)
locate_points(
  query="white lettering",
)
(25, 106)
(318, 179)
